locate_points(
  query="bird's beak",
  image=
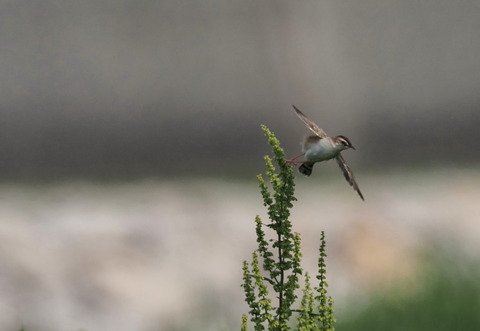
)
(353, 148)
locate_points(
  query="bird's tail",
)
(306, 168)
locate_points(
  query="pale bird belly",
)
(320, 153)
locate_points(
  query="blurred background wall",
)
(135, 88)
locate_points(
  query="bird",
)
(321, 147)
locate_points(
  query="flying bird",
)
(321, 147)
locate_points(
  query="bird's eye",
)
(344, 141)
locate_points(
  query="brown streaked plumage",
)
(309, 142)
(347, 172)
(310, 124)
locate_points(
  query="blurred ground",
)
(162, 254)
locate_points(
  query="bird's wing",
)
(309, 123)
(347, 172)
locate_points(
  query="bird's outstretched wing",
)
(309, 123)
(347, 172)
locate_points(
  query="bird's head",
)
(343, 142)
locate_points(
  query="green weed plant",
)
(271, 281)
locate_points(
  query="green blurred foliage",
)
(446, 297)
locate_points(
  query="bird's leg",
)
(296, 157)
